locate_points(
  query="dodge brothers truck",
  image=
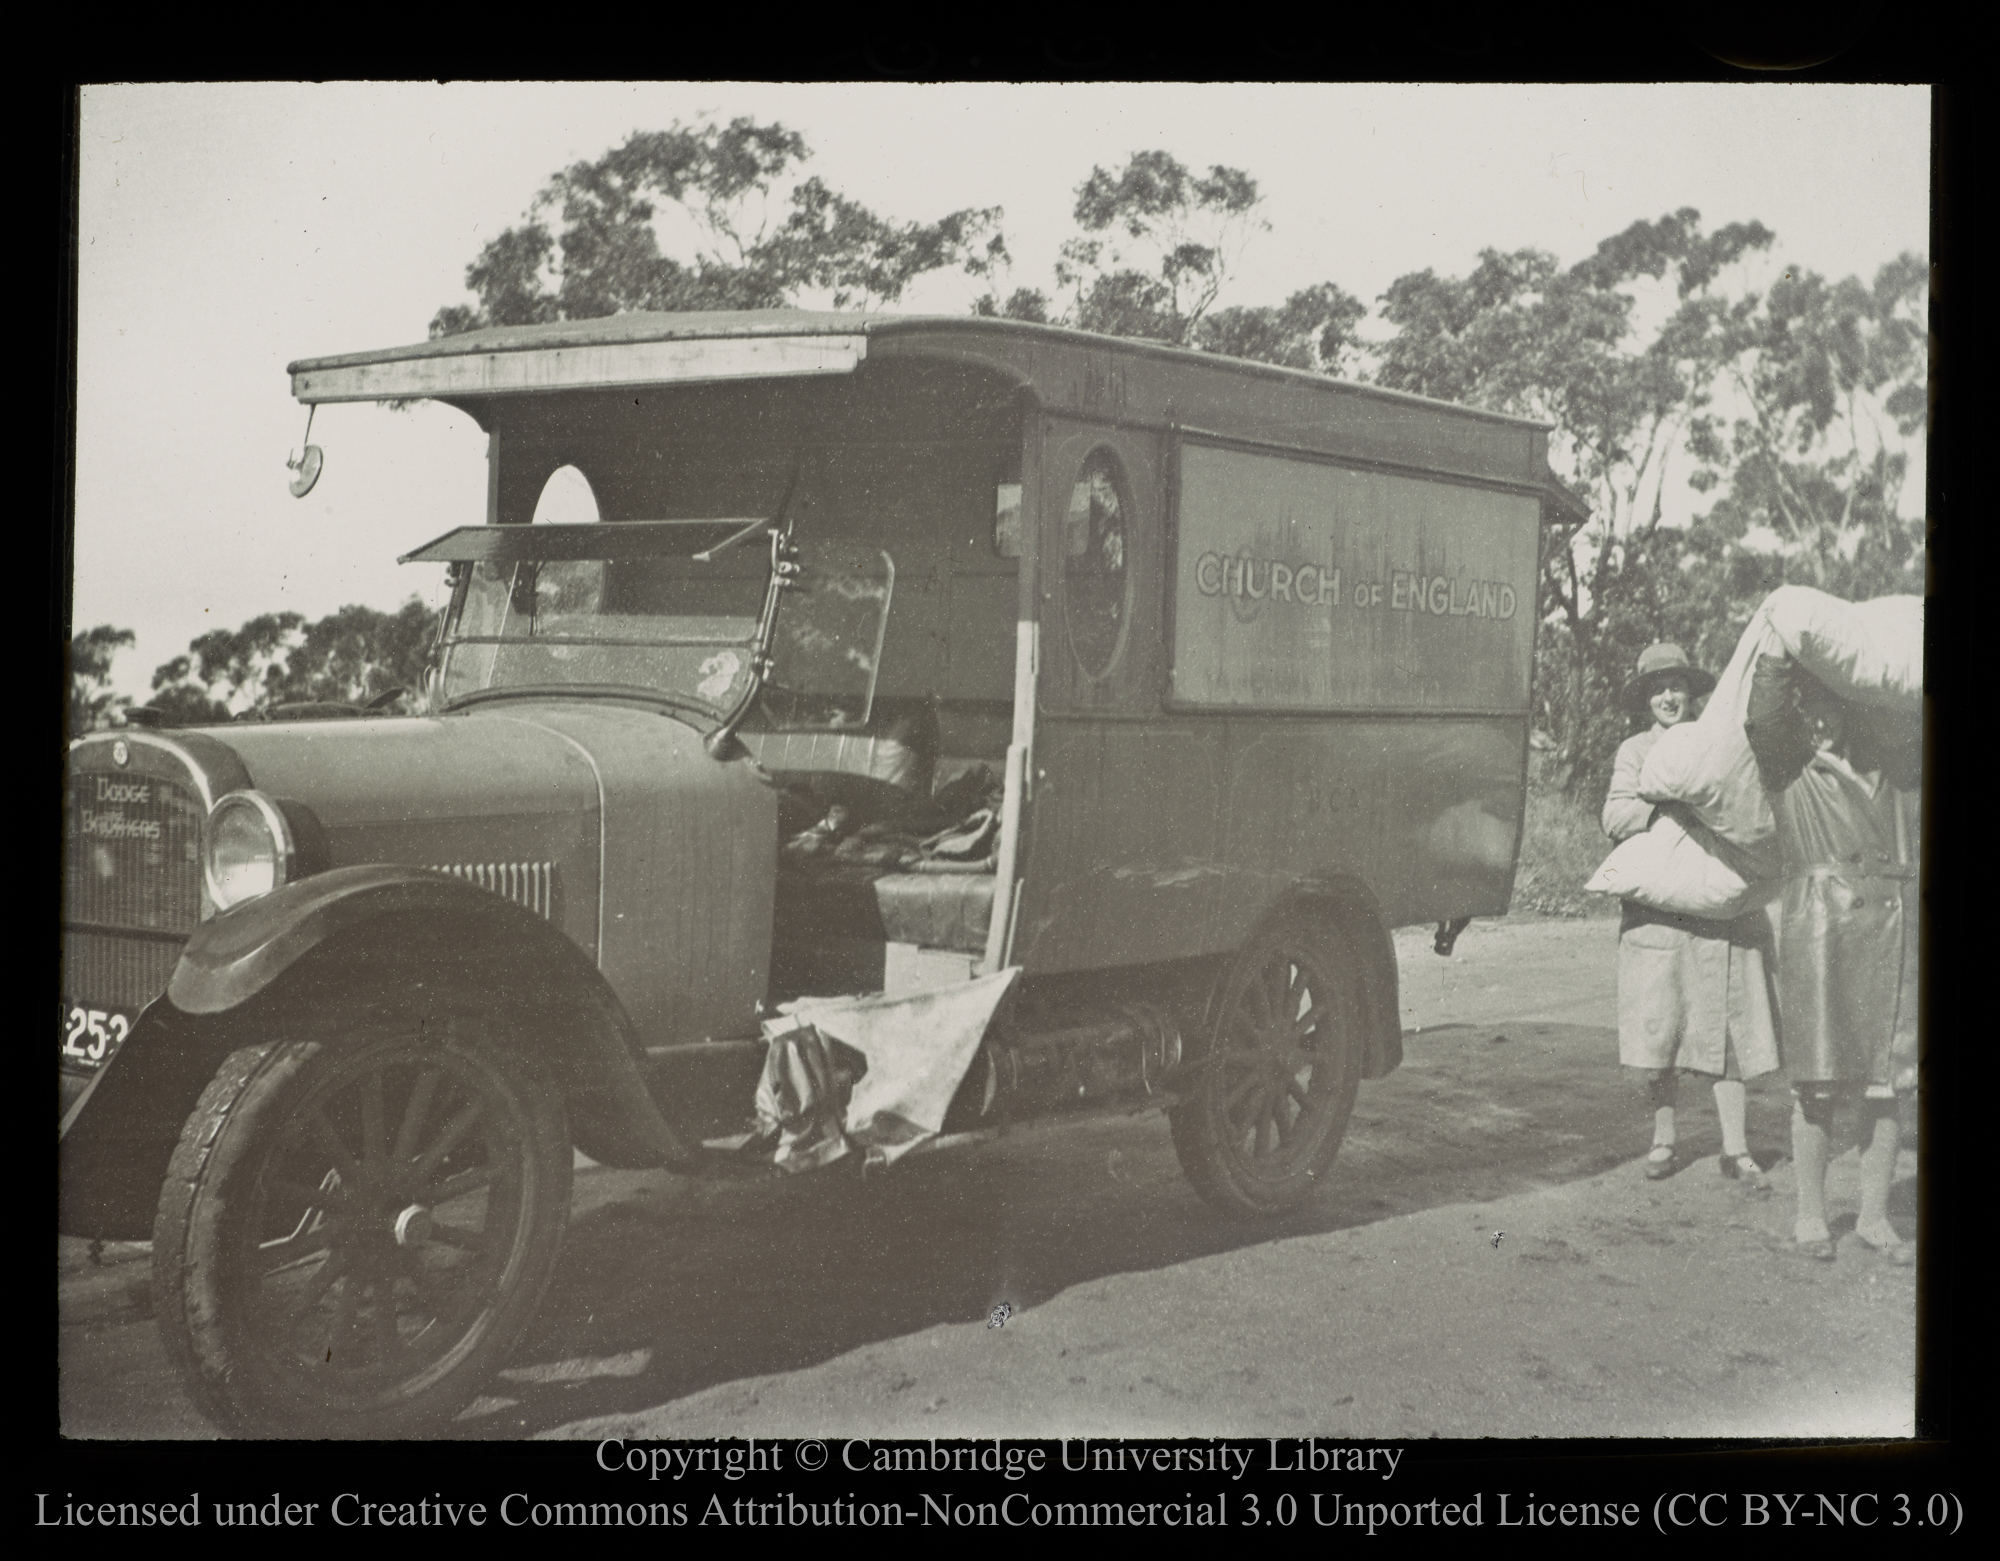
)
(905, 654)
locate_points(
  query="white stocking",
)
(1809, 1160)
(1729, 1104)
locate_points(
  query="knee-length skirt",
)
(1696, 995)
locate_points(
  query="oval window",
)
(1095, 547)
(567, 499)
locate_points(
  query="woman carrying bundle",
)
(1694, 995)
(1843, 784)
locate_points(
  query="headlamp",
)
(247, 849)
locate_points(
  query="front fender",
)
(236, 955)
(248, 974)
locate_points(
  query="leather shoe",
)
(1820, 1250)
(1744, 1168)
(1662, 1162)
(1898, 1252)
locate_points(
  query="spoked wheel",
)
(1270, 1102)
(352, 1235)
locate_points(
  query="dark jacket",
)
(1848, 830)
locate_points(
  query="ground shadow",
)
(668, 1287)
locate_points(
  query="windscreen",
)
(677, 628)
(683, 630)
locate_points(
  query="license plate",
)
(90, 1035)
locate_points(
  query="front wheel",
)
(356, 1229)
(1270, 1097)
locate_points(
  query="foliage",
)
(1562, 843)
(92, 703)
(1795, 406)
(1823, 372)
(1314, 329)
(349, 657)
(1520, 334)
(590, 243)
(1159, 242)
(1157, 247)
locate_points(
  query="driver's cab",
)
(823, 577)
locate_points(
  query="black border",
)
(1871, 46)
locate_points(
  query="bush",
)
(1561, 846)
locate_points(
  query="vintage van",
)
(1085, 713)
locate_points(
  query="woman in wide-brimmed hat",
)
(1694, 996)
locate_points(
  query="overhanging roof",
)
(663, 348)
(622, 350)
(1061, 365)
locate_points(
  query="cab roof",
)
(1063, 370)
(914, 330)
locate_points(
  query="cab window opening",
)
(567, 499)
(1096, 581)
(1007, 507)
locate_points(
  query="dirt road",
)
(1488, 1261)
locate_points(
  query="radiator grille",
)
(132, 854)
(528, 884)
(131, 895)
(104, 970)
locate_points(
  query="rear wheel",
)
(356, 1229)
(1271, 1096)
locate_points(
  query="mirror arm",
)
(722, 743)
(781, 521)
(709, 555)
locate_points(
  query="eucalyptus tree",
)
(741, 230)
(351, 656)
(92, 702)
(1157, 246)
(1811, 453)
(1577, 347)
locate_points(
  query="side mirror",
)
(306, 470)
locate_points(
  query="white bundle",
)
(1687, 869)
(1706, 763)
(1871, 652)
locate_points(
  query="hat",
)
(1656, 662)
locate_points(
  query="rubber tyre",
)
(1262, 1121)
(356, 1228)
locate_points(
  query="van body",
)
(904, 655)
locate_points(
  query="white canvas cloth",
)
(801, 1097)
(918, 1047)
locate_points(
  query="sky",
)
(228, 229)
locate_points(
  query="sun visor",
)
(547, 543)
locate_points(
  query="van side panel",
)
(1134, 384)
(1301, 734)
(1170, 839)
(1310, 584)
